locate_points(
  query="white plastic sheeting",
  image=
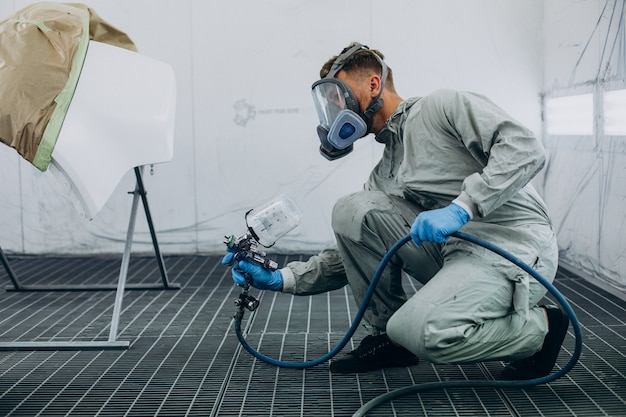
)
(588, 206)
(245, 123)
(585, 182)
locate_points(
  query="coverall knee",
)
(366, 225)
(465, 312)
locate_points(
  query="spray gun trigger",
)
(248, 278)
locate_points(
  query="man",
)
(452, 160)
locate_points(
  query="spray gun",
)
(246, 248)
(266, 224)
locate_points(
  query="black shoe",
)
(374, 352)
(542, 362)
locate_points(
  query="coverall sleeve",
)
(321, 273)
(509, 152)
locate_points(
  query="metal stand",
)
(111, 343)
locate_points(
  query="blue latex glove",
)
(437, 225)
(262, 278)
(229, 258)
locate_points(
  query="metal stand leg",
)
(7, 268)
(121, 282)
(157, 252)
(112, 342)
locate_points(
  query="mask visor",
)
(330, 99)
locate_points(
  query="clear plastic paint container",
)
(272, 220)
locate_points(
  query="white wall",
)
(266, 54)
(585, 183)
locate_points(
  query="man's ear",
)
(374, 85)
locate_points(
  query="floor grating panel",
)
(184, 358)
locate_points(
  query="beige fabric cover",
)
(42, 49)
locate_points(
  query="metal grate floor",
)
(184, 358)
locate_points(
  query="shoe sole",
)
(338, 368)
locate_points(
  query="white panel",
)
(99, 136)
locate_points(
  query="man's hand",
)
(260, 277)
(437, 225)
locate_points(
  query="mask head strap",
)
(376, 103)
(341, 59)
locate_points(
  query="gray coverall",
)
(474, 305)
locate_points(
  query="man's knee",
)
(406, 326)
(423, 330)
(352, 211)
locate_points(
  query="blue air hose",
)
(435, 385)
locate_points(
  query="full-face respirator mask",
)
(341, 119)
